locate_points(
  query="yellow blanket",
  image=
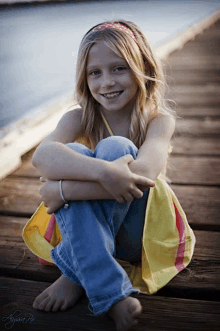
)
(168, 240)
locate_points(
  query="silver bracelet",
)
(61, 194)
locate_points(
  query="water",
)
(39, 44)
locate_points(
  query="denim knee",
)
(80, 148)
(114, 147)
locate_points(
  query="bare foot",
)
(125, 313)
(62, 294)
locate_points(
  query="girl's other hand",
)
(121, 183)
(141, 170)
(50, 195)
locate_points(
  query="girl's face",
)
(110, 80)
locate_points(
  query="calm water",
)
(39, 44)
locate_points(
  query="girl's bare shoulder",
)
(70, 124)
(73, 115)
(69, 128)
(161, 125)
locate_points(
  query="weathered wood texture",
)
(191, 300)
(19, 197)
(191, 146)
(159, 313)
(199, 280)
(202, 213)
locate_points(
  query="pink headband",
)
(118, 26)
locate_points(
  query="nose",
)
(107, 80)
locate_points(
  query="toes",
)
(64, 306)
(39, 299)
(57, 305)
(137, 312)
(35, 304)
(50, 304)
(44, 303)
(135, 308)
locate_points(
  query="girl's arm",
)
(87, 190)
(56, 161)
(153, 153)
(72, 190)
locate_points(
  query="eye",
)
(120, 68)
(94, 72)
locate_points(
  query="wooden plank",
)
(194, 63)
(192, 51)
(11, 230)
(194, 167)
(204, 44)
(176, 43)
(201, 205)
(199, 48)
(201, 211)
(194, 170)
(19, 195)
(196, 100)
(180, 75)
(18, 295)
(200, 111)
(205, 90)
(26, 169)
(182, 144)
(20, 262)
(190, 282)
(195, 56)
(204, 127)
(187, 145)
(190, 145)
(191, 58)
(183, 314)
(200, 280)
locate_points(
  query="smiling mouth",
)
(112, 95)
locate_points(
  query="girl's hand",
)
(121, 183)
(139, 169)
(50, 195)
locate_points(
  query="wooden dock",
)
(191, 300)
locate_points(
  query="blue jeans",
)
(95, 232)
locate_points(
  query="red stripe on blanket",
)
(182, 236)
(50, 228)
(48, 236)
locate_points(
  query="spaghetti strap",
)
(107, 125)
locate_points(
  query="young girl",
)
(98, 187)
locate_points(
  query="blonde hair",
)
(147, 71)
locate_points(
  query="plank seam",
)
(194, 155)
(195, 184)
(15, 213)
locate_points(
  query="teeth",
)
(111, 95)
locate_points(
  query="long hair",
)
(147, 71)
